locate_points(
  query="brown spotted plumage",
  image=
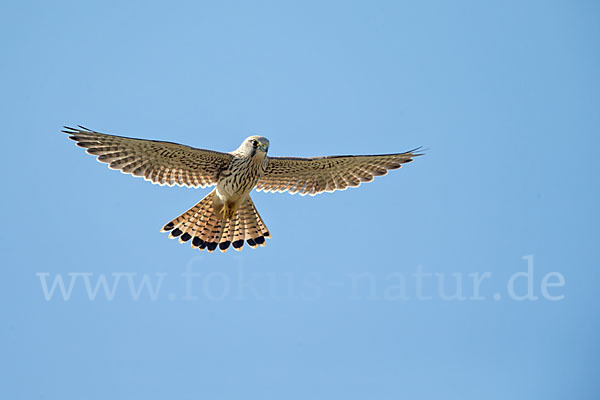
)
(227, 217)
(327, 174)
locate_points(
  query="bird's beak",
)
(264, 147)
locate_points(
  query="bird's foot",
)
(227, 211)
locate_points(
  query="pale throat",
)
(259, 158)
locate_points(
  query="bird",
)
(227, 216)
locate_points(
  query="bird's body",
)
(247, 166)
(227, 215)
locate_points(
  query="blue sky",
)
(340, 303)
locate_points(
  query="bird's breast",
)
(243, 176)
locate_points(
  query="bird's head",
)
(255, 146)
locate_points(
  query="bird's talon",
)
(227, 212)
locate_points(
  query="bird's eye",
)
(255, 143)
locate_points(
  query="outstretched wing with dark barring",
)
(163, 163)
(327, 174)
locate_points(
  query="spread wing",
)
(163, 163)
(327, 174)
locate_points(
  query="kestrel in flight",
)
(227, 215)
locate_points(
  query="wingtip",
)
(418, 151)
(68, 130)
(71, 131)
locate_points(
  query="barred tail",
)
(206, 230)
